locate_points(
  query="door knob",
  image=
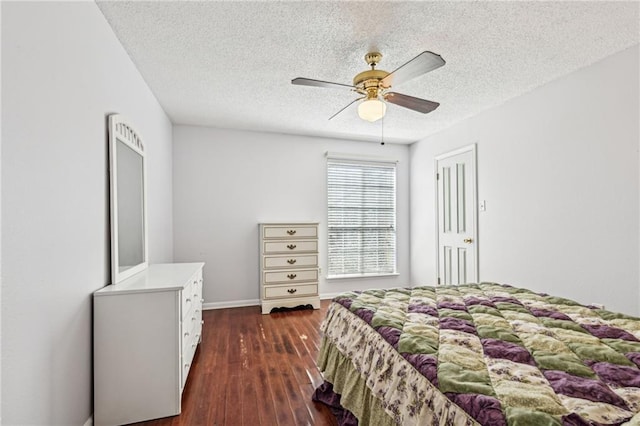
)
(468, 240)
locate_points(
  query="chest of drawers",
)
(288, 265)
(146, 332)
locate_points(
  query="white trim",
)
(457, 151)
(359, 157)
(231, 304)
(89, 421)
(349, 277)
(325, 296)
(474, 218)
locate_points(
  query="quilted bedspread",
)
(490, 354)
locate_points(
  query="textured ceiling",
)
(230, 64)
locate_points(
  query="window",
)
(361, 200)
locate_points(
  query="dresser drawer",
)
(295, 261)
(295, 290)
(187, 357)
(272, 247)
(193, 323)
(293, 231)
(188, 301)
(291, 276)
(192, 294)
(196, 293)
(192, 330)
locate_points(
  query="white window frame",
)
(362, 161)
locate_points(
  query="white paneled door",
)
(457, 216)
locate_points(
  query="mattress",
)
(485, 354)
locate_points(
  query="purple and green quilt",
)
(484, 354)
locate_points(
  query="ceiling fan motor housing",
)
(369, 82)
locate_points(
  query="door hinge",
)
(437, 176)
(438, 280)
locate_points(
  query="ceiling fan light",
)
(372, 109)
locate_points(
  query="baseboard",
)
(325, 296)
(231, 304)
(89, 421)
(251, 302)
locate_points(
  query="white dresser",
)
(146, 331)
(288, 265)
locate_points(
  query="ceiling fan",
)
(374, 86)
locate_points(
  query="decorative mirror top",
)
(126, 133)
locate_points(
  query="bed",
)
(487, 354)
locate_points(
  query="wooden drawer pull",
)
(291, 276)
(291, 261)
(291, 231)
(292, 290)
(291, 246)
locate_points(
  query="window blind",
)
(361, 199)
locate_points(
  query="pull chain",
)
(382, 131)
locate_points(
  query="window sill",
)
(349, 277)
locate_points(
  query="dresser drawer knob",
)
(291, 231)
(188, 300)
(186, 334)
(201, 322)
(292, 290)
(291, 246)
(291, 276)
(201, 300)
(291, 261)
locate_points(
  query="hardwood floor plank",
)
(266, 407)
(234, 401)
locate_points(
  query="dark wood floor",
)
(254, 369)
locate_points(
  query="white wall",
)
(63, 71)
(226, 182)
(0, 231)
(559, 170)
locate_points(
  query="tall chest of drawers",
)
(146, 331)
(288, 265)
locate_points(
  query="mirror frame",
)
(120, 130)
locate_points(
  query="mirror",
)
(128, 200)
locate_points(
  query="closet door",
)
(457, 217)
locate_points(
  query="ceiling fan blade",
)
(421, 64)
(350, 103)
(319, 83)
(421, 105)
